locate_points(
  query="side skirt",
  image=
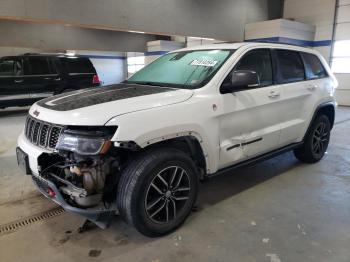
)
(255, 160)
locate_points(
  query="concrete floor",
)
(278, 210)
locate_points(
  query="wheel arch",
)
(327, 109)
(187, 143)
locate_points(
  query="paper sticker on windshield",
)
(205, 62)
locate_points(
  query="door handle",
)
(312, 87)
(57, 79)
(19, 81)
(274, 94)
(47, 78)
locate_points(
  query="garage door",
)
(341, 52)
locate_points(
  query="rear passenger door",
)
(41, 77)
(251, 123)
(298, 99)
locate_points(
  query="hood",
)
(95, 106)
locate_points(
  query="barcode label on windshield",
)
(209, 63)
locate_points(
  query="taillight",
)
(96, 80)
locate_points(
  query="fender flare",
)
(317, 111)
(182, 134)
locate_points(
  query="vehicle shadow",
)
(217, 189)
(124, 238)
(231, 183)
(22, 111)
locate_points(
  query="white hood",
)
(98, 105)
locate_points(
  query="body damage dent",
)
(152, 141)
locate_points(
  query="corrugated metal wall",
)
(341, 52)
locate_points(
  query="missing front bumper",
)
(100, 216)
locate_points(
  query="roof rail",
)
(44, 54)
(302, 44)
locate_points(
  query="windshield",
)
(186, 69)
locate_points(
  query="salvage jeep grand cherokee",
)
(139, 148)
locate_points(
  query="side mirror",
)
(240, 80)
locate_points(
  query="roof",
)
(42, 54)
(248, 44)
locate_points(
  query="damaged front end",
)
(82, 173)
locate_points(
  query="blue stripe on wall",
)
(292, 41)
(156, 53)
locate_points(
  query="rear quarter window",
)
(77, 65)
(313, 66)
(290, 66)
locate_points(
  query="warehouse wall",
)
(110, 66)
(110, 70)
(221, 19)
(9, 50)
(58, 37)
(319, 13)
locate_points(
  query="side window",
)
(314, 67)
(11, 67)
(77, 65)
(39, 66)
(53, 66)
(291, 67)
(26, 66)
(259, 61)
(7, 67)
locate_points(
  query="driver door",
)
(250, 125)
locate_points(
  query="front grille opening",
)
(41, 133)
(36, 132)
(54, 135)
(43, 136)
(30, 130)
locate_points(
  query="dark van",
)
(27, 78)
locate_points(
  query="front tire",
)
(316, 141)
(157, 191)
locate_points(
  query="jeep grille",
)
(41, 133)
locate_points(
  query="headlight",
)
(83, 145)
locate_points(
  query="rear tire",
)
(157, 191)
(316, 141)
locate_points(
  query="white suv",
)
(139, 148)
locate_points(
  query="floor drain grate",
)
(18, 224)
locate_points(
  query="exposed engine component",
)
(84, 182)
(91, 178)
(86, 166)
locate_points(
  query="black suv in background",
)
(28, 78)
